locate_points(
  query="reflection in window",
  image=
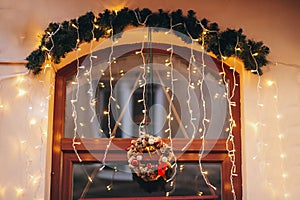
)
(127, 108)
(116, 180)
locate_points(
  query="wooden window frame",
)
(63, 155)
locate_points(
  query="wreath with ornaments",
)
(150, 158)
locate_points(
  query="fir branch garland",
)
(221, 43)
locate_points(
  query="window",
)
(91, 90)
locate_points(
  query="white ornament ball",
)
(164, 159)
(139, 157)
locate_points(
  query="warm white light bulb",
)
(282, 155)
(278, 116)
(19, 191)
(270, 83)
(21, 92)
(284, 175)
(280, 136)
(32, 121)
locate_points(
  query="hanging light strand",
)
(192, 61)
(90, 81)
(174, 165)
(74, 100)
(143, 85)
(204, 119)
(111, 137)
(229, 94)
(280, 136)
(230, 144)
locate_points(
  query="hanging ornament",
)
(150, 158)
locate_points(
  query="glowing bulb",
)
(278, 116)
(109, 187)
(281, 136)
(35, 179)
(207, 120)
(2, 191)
(282, 155)
(105, 112)
(19, 191)
(74, 26)
(21, 92)
(284, 175)
(109, 31)
(82, 108)
(20, 79)
(286, 195)
(32, 121)
(200, 194)
(23, 141)
(270, 83)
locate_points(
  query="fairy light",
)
(110, 186)
(21, 92)
(27, 148)
(230, 144)
(111, 137)
(169, 118)
(74, 101)
(189, 87)
(91, 90)
(280, 136)
(204, 122)
(32, 121)
(19, 191)
(144, 68)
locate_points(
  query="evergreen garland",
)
(221, 43)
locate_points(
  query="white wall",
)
(23, 145)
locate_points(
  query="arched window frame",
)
(63, 155)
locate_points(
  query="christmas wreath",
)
(150, 158)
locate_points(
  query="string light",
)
(21, 92)
(282, 154)
(109, 101)
(91, 90)
(169, 118)
(33, 121)
(74, 101)
(191, 62)
(19, 191)
(201, 86)
(230, 144)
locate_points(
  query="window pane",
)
(118, 181)
(88, 94)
